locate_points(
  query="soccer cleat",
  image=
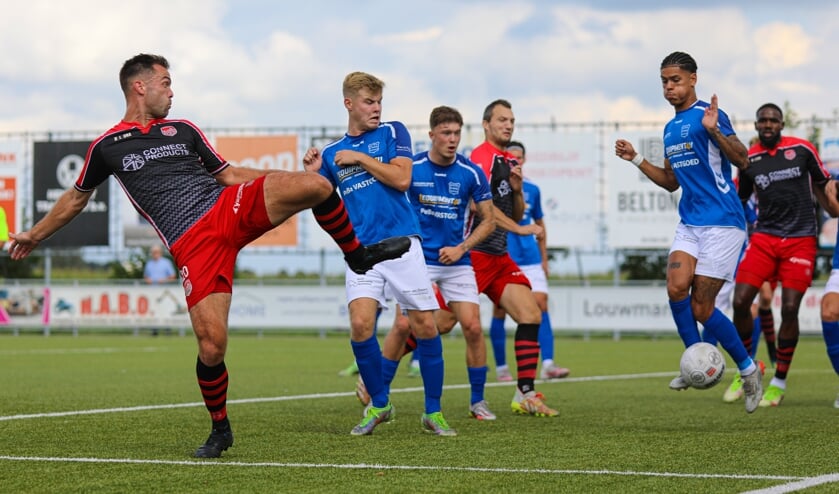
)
(503, 375)
(734, 391)
(414, 369)
(480, 411)
(531, 403)
(350, 371)
(372, 418)
(390, 418)
(217, 442)
(678, 384)
(836, 403)
(361, 392)
(389, 248)
(436, 424)
(752, 390)
(773, 396)
(554, 372)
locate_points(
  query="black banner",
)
(56, 167)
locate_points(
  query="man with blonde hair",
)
(371, 166)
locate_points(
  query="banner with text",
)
(565, 167)
(612, 309)
(56, 167)
(640, 213)
(265, 153)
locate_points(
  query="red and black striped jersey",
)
(496, 164)
(782, 180)
(166, 169)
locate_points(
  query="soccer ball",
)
(702, 365)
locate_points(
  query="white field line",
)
(797, 483)
(804, 483)
(341, 394)
(81, 351)
(367, 466)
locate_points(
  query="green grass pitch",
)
(120, 413)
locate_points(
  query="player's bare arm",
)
(730, 145)
(506, 223)
(543, 244)
(67, 207)
(312, 160)
(396, 173)
(826, 195)
(663, 177)
(450, 255)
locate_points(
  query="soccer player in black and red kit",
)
(497, 274)
(784, 173)
(204, 211)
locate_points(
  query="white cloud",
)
(261, 63)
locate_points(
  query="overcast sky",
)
(272, 63)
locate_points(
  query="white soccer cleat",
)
(752, 390)
(554, 372)
(480, 411)
(678, 384)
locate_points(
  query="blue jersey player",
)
(371, 167)
(443, 186)
(700, 146)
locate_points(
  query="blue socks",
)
(830, 331)
(756, 332)
(685, 323)
(389, 368)
(368, 357)
(546, 337)
(722, 327)
(430, 352)
(477, 380)
(498, 338)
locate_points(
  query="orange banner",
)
(265, 153)
(8, 201)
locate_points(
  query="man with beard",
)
(784, 173)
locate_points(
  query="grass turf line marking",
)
(367, 466)
(81, 351)
(340, 394)
(804, 483)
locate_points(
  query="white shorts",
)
(405, 279)
(456, 283)
(716, 249)
(723, 302)
(536, 275)
(832, 285)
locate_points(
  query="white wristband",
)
(637, 160)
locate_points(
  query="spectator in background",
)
(158, 270)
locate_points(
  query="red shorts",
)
(206, 253)
(493, 273)
(440, 299)
(787, 260)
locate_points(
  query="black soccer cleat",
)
(389, 248)
(217, 442)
